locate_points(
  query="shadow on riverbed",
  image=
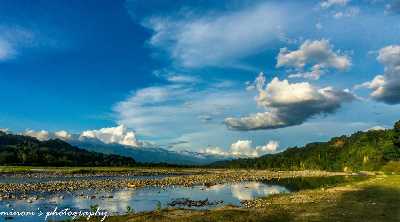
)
(223, 215)
(373, 203)
(302, 183)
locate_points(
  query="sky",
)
(222, 77)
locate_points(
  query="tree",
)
(396, 137)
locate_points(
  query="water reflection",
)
(115, 202)
(251, 190)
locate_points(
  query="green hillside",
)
(24, 150)
(361, 151)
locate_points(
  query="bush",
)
(392, 167)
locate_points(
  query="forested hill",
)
(361, 151)
(24, 150)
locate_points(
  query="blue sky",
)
(187, 73)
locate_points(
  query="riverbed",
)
(151, 192)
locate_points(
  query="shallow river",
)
(143, 199)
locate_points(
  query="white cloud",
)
(386, 87)
(316, 55)
(216, 151)
(348, 12)
(40, 135)
(46, 135)
(244, 148)
(62, 134)
(374, 128)
(330, 3)
(182, 79)
(314, 73)
(4, 130)
(218, 39)
(119, 135)
(289, 104)
(12, 39)
(340, 8)
(390, 57)
(176, 78)
(6, 50)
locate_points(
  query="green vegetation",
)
(27, 151)
(396, 134)
(392, 167)
(361, 151)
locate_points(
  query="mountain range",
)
(148, 154)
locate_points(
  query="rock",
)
(193, 203)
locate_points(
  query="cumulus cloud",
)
(218, 39)
(62, 134)
(315, 55)
(46, 135)
(331, 3)
(244, 148)
(289, 104)
(386, 87)
(40, 135)
(119, 135)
